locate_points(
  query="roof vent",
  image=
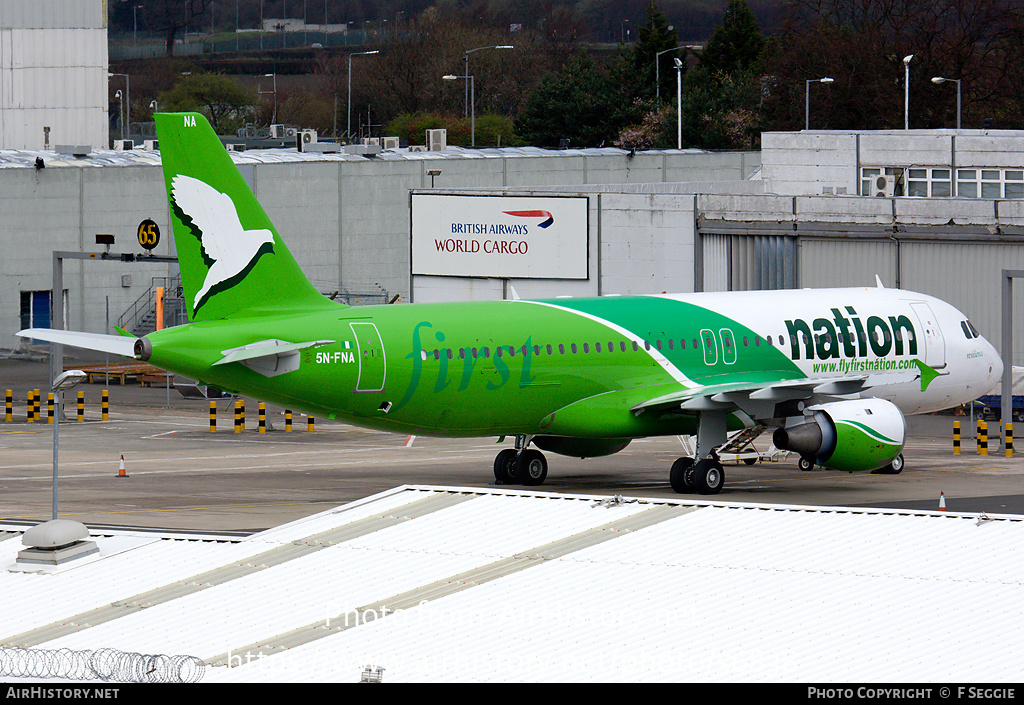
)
(56, 542)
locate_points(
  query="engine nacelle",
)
(859, 434)
(580, 447)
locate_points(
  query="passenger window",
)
(561, 349)
(573, 348)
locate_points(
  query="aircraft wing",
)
(114, 344)
(758, 399)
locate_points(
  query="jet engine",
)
(859, 434)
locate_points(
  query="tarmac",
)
(181, 477)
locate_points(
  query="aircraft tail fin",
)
(233, 261)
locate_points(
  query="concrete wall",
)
(809, 162)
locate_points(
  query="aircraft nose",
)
(997, 364)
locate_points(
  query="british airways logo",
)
(548, 218)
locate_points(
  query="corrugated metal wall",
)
(53, 73)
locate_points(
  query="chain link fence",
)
(100, 664)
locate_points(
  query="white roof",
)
(454, 584)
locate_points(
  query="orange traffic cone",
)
(942, 501)
(120, 471)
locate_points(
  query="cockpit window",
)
(973, 329)
(967, 331)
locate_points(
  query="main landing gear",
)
(704, 476)
(520, 465)
(703, 473)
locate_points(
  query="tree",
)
(576, 103)
(172, 16)
(861, 44)
(655, 36)
(225, 103)
(737, 44)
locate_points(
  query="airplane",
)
(833, 370)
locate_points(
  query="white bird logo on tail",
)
(231, 248)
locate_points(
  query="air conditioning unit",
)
(437, 140)
(123, 145)
(235, 147)
(304, 139)
(277, 132)
(371, 142)
(883, 186)
(290, 132)
(389, 142)
(417, 148)
(151, 144)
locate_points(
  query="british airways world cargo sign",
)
(516, 237)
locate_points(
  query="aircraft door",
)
(370, 353)
(930, 338)
(710, 346)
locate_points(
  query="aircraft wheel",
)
(805, 464)
(532, 467)
(681, 475)
(505, 467)
(709, 476)
(893, 468)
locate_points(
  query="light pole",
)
(63, 382)
(807, 99)
(127, 102)
(273, 119)
(472, 106)
(120, 110)
(906, 91)
(348, 130)
(657, 71)
(939, 79)
(135, 24)
(465, 59)
(679, 102)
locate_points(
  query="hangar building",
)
(939, 212)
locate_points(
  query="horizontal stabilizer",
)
(269, 357)
(113, 344)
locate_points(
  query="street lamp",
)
(679, 102)
(807, 99)
(657, 70)
(906, 92)
(466, 60)
(62, 383)
(472, 105)
(273, 118)
(939, 79)
(120, 110)
(358, 53)
(127, 102)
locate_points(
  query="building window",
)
(990, 183)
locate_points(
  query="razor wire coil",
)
(102, 664)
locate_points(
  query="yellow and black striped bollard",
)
(49, 408)
(262, 418)
(287, 420)
(37, 405)
(105, 405)
(309, 423)
(31, 407)
(982, 438)
(9, 406)
(81, 406)
(213, 417)
(238, 416)
(956, 438)
(1009, 439)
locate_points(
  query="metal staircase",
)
(140, 318)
